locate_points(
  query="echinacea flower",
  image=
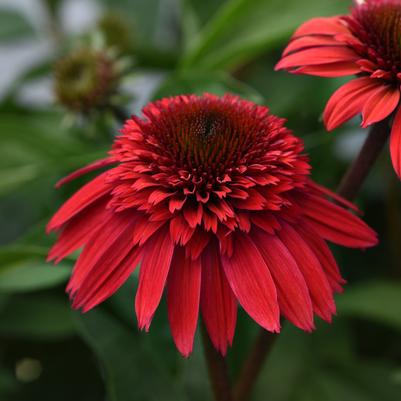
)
(212, 196)
(366, 43)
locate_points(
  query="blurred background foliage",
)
(171, 47)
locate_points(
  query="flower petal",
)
(252, 283)
(183, 294)
(308, 263)
(219, 306)
(158, 253)
(88, 194)
(380, 104)
(338, 225)
(349, 100)
(395, 143)
(292, 292)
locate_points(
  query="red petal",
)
(322, 26)
(158, 252)
(88, 194)
(317, 56)
(395, 143)
(348, 101)
(105, 244)
(293, 295)
(380, 104)
(183, 293)
(252, 283)
(308, 263)
(304, 42)
(330, 70)
(79, 230)
(339, 199)
(219, 306)
(338, 225)
(108, 284)
(85, 170)
(323, 253)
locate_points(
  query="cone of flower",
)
(365, 43)
(212, 196)
(87, 79)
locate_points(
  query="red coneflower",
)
(367, 43)
(213, 196)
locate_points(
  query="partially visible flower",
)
(86, 79)
(213, 196)
(366, 43)
(116, 31)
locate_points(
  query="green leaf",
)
(125, 355)
(199, 83)
(24, 269)
(242, 29)
(13, 25)
(39, 317)
(376, 301)
(38, 145)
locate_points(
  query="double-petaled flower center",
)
(377, 25)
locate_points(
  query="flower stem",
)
(253, 364)
(217, 368)
(348, 188)
(358, 171)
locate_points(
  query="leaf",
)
(376, 301)
(13, 25)
(36, 317)
(199, 83)
(24, 269)
(242, 29)
(36, 146)
(135, 369)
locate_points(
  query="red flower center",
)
(377, 24)
(224, 153)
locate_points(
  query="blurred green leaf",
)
(24, 269)
(241, 29)
(376, 301)
(199, 83)
(38, 145)
(39, 317)
(125, 355)
(13, 25)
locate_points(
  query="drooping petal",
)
(395, 143)
(337, 225)
(317, 56)
(292, 291)
(88, 194)
(348, 101)
(183, 294)
(380, 104)
(325, 256)
(108, 284)
(330, 70)
(305, 42)
(218, 304)
(98, 164)
(107, 246)
(79, 230)
(308, 263)
(158, 252)
(322, 26)
(252, 284)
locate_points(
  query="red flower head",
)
(212, 195)
(367, 43)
